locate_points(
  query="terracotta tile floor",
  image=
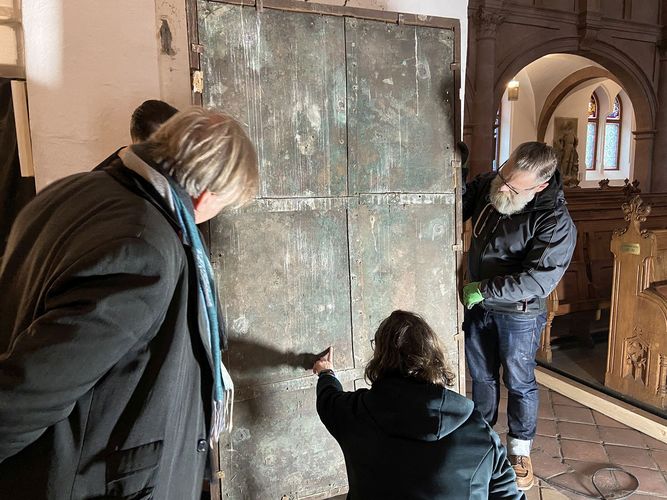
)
(573, 442)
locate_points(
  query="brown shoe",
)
(523, 468)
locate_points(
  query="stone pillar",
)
(468, 133)
(659, 170)
(644, 140)
(483, 111)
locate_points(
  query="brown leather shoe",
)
(523, 468)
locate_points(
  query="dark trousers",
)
(509, 340)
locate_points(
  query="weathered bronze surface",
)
(356, 216)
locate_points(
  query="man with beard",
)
(522, 242)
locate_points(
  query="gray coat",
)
(104, 380)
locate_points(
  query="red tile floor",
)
(573, 442)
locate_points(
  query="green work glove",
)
(472, 295)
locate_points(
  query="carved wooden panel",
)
(636, 363)
(636, 358)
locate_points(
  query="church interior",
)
(356, 107)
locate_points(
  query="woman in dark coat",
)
(409, 437)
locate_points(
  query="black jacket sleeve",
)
(95, 311)
(503, 480)
(470, 195)
(545, 263)
(331, 402)
(473, 191)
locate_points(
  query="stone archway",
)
(563, 88)
(623, 70)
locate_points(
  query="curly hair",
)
(406, 345)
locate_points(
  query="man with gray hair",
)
(522, 243)
(111, 383)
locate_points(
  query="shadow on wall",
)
(264, 356)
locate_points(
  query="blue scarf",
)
(223, 387)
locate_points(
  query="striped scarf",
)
(223, 387)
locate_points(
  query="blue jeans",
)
(510, 340)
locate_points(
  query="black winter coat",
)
(408, 440)
(104, 380)
(519, 259)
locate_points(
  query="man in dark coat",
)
(522, 242)
(409, 437)
(106, 350)
(145, 120)
(148, 117)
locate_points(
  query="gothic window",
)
(612, 136)
(592, 133)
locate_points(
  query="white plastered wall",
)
(90, 63)
(523, 127)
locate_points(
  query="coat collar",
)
(139, 181)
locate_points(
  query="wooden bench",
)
(637, 359)
(587, 283)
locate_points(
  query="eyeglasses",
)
(373, 344)
(509, 186)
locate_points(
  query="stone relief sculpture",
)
(636, 358)
(565, 143)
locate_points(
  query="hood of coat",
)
(408, 408)
(551, 197)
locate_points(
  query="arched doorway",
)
(550, 100)
(609, 63)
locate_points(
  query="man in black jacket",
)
(109, 347)
(522, 242)
(148, 117)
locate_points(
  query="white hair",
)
(205, 150)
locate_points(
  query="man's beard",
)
(508, 203)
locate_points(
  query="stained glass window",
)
(616, 112)
(612, 136)
(592, 133)
(593, 107)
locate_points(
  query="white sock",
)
(518, 446)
